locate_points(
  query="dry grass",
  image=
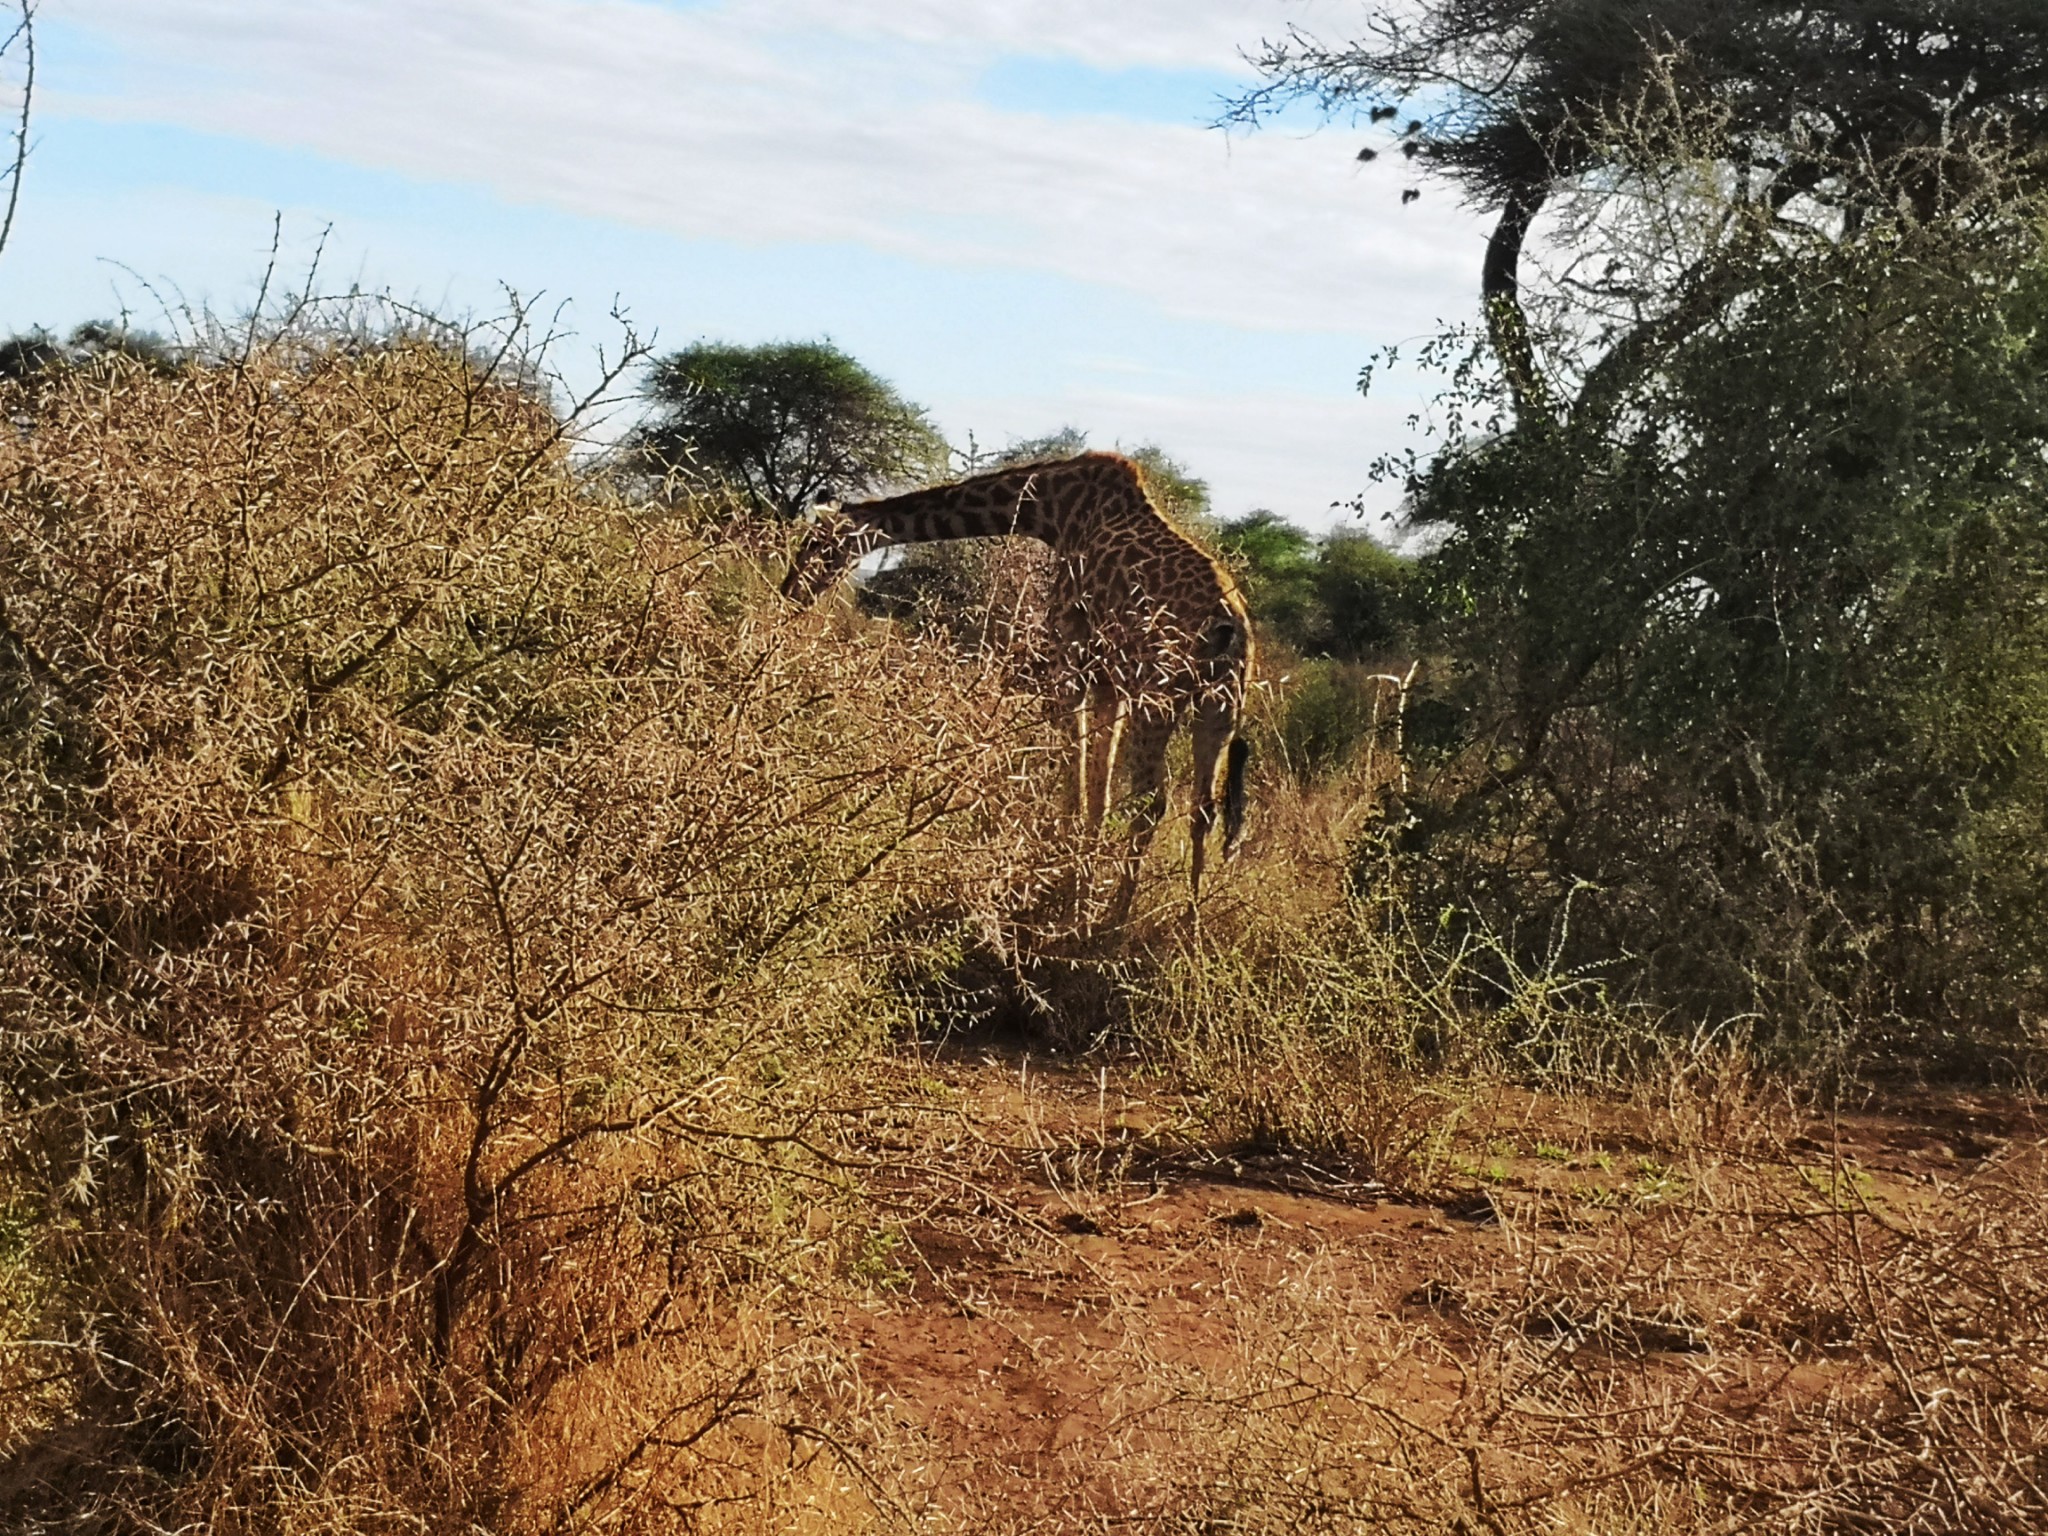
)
(1092, 1324)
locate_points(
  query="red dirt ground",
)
(1067, 1274)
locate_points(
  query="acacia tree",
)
(28, 354)
(1741, 550)
(785, 423)
(1610, 104)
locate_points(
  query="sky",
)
(1016, 211)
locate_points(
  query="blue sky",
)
(1012, 209)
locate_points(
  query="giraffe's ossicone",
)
(1145, 629)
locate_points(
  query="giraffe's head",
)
(831, 544)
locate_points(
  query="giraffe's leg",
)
(1215, 723)
(1069, 634)
(1077, 779)
(1108, 721)
(1107, 726)
(1148, 737)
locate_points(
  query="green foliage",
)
(1369, 599)
(786, 423)
(1172, 487)
(1276, 567)
(1741, 557)
(37, 353)
(1343, 596)
(1765, 644)
(1329, 710)
(1326, 608)
(1796, 85)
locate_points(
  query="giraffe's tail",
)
(1234, 794)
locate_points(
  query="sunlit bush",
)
(442, 902)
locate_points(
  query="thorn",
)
(1368, 154)
(1409, 196)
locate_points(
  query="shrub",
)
(1331, 712)
(440, 916)
(1757, 653)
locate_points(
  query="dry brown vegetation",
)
(498, 1035)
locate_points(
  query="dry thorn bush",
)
(444, 904)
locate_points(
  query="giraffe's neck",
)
(1027, 500)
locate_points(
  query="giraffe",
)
(1146, 628)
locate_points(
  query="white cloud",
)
(834, 125)
(821, 120)
(1201, 34)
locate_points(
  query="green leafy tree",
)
(1344, 596)
(1175, 490)
(31, 353)
(1337, 603)
(1368, 595)
(1275, 562)
(1763, 662)
(786, 423)
(1738, 536)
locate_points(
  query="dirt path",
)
(1082, 1316)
